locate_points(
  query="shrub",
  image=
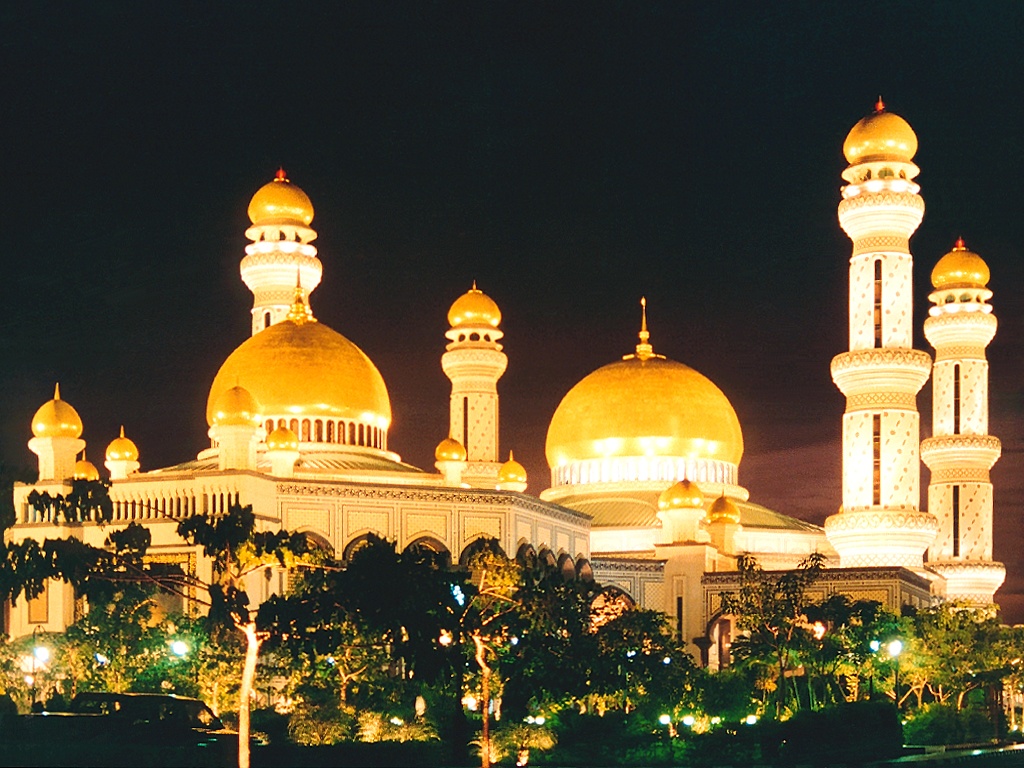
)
(377, 726)
(860, 731)
(320, 723)
(943, 724)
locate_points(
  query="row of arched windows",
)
(641, 469)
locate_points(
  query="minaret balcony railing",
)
(863, 371)
(975, 328)
(942, 452)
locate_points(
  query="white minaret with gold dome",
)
(281, 246)
(474, 362)
(960, 453)
(56, 438)
(122, 457)
(880, 523)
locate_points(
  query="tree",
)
(239, 551)
(770, 609)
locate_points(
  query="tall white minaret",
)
(960, 453)
(281, 246)
(474, 362)
(880, 523)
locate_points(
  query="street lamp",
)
(895, 648)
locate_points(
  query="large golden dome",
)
(881, 135)
(56, 418)
(280, 202)
(960, 268)
(644, 406)
(303, 368)
(122, 449)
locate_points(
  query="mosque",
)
(644, 452)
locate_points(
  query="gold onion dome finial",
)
(682, 495)
(282, 439)
(644, 350)
(512, 471)
(85, 470)
(300, 312)
(122, 449)
(236, 407)
(280, 202)
(723, 510)
(882, 135)
(450, 449)
(474, 307)
(960, 268)
(56, 418)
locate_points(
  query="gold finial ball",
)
(56, 418)
(881, 135)
(122, 449)
(85, 470)
(282, 439)
(682, 495)
(474, 307)
(280, 202)
(512, 471)
(960, 268)
(723, 510)
(236, 407)
(450, 449)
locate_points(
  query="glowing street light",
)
(179, 648)
(895, 648)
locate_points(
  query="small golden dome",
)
(236, 407)
(474, 308)
(960, 268)
(450, 449)
(306, 369)
(723, 510)
(280, 202)
(56, 418)
(85, 470)
(122, 449)
(282, 439)
(644, 406)
(512, 471)
(682, 495)
(881, 135)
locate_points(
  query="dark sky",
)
(568, 157)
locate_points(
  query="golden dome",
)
(450, 449)
(682, 495)
(280, 202)
(56, 419)
(282, 439)
(85, 470)
(474, 307)
(305, 369)
(512, 471)
(960, 268)
(122, 449)
(723, 510)
(880, 136)
(644, 406)
(235, 407)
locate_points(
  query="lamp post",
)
(895, 648)
(874, 645)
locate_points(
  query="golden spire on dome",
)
(644, 350)
(300, 312)
(960, 268)
(879, 105)
(282, 176)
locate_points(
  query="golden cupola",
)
(449, 449)
(311, 379)
(683, 494)
(282, 439)
(56, 418)
(722, 510)
(280, 202)
(681, 511)
(960, 268)
(122, 449)
(644, 418)
(474, 308)
(880, 136)
(85, 470)
(511, 475)
(235, 407)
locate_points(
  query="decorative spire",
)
(511, 457)
(474, 286)
(122, 430)
(644, 350)
(56, 391)
(299, 313)
(281, 175)
(879, 105)
(959, 245)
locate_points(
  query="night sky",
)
(568, 157)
